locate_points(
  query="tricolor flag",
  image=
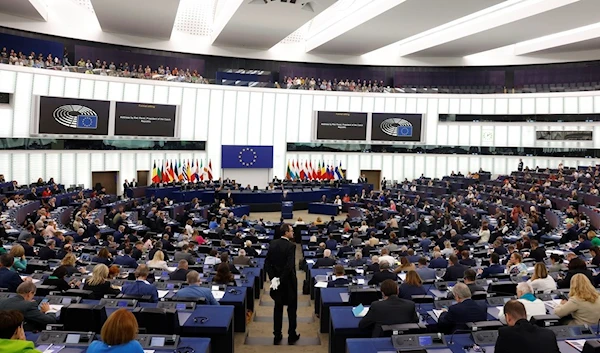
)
(208, 170)
(155, 176)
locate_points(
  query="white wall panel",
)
(241, 118)
(307, 117)
(501, 106)
(441, 165)
(355, 103)
(487, 163)
(146, 94)
(431, 122)
(390, 105)
(463, 138)
(411, 105)
(293, 116)
(71, 87)
(86, 89)
(379, 105)
(112, 161)
(597, 104)
(115, 91)
(213, 146)
(465, 106)
(83, 176)
(488, 106)
(22, 105)
(203, 101)
(408, 167)
(556, 105)
(442, 134)
(268, 116)
(571, 105)
(422, 105)
(132, 92)
(501, 136)
(419, 166)
(68, 168)
(6, 121)
(40, 84)
(331, 103)
(161, 94)
(474, 136)
(586, 105)
(365, 161)
(452, 165)
(6, 166)
(143, 161)
(542, 105)
(8, 81)
(387, 168)
(343, 104)
(514, 106)
(376, 162)
(528, 106)
(53, 168)
(19, 166)
(464, 165)
(453, 136)
(454, 107)
(175, 94)
(443, 104)
(499, 166)
(514, 135)
(57, 86)
(400, 105)
(127, 171)
(476, 106)
(101, 90)
(254, 118)
(368, 104)
(187, 115)
(279, 126)
(36, 166)
(228, 118)
(353, 168)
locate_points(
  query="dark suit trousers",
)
(278, 318)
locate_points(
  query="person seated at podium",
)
(324, 199)
(193, 290)
(12, 335)
(325, 261)
(392, 310)
(466, 310)
(521, 335)
(118, 335)
(141, 286)
(339, 278)
(338, 202)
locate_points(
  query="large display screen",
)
(341, 126)
(73, 116)
(140, 119)
(564, 135)
(396, 127)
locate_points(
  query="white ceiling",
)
(367, 32)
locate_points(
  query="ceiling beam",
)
(32, 9)
(223, 15)
(556, 40)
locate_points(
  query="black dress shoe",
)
(277, 340)
(293, 339)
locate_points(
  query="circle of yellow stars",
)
(247, 164)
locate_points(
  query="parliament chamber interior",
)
(333, 176)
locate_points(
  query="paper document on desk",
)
(49, 348)
(402, 276)
(437, 313)
(309, 261)
(54, 309)
(149, 351)
(321, 285)
(172, 269)
(360, 311)
(553, 303)
(577, 344)
(162, 293)
(218, 294)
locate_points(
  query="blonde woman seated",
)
(448, 250)
(158, 261)
(319, 221)
(484, 233)
(363, 227)
(99, 284)
(583, 304)
(299, 221)
(405, 266)
(533, 306)
(540, 281)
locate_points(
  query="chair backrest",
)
(85, 294)
(364, 296)
(158, 321)
(83, 317)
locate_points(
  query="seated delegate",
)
(141, 287)
(392, 310)
(35, 318)
(583, 304)
(533, 306)
(12, 335)
(193, 290)
(118, 335)
(465, 310)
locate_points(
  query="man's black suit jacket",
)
(324, 262)
(281, 262)
(381, 276)
(392, 311)
(455, 272)
(525, 337)
(461, 313)
(539, 254)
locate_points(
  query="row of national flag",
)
(169, 171)
(307, 170)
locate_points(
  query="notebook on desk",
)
(360, 311)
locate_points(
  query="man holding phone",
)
(36, 317)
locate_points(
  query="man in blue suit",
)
(465, 310)
(493, 268)
(438, 261)
(141, 287)
(8, 279)
(126, 260)
(195, 291)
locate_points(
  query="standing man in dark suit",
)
(389, 311)
(280, 265)
(522, 336)
(466, 310)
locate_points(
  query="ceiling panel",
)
(32, 9)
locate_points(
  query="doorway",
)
(106, 179)
(143, 177)
(373, 177)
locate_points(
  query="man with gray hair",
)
(325, 261)
(533, 306)
(465, 310)
(36, 319)
(47, 252)
(358, 260)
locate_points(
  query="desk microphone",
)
(457, 331)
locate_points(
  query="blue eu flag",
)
(247, 156)
(87, 122)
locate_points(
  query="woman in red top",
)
(46, 192)
(198, 238)
(346, 198)
(516, 213)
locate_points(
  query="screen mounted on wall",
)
(396, 127)
(73, 116)
(140, 119)
(341, 126)
(564, 135)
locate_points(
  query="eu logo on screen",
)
(87, 122)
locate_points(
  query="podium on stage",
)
(287, 209)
